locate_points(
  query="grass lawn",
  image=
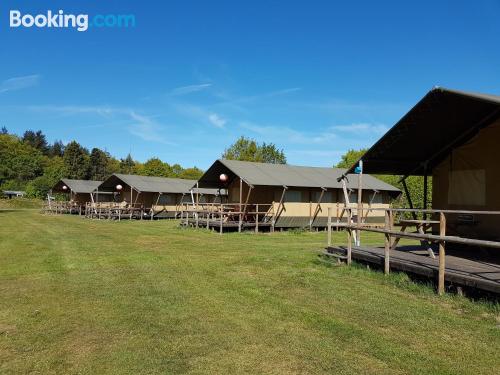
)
(98, 297)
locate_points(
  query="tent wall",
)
(469, 179)
(300, 204)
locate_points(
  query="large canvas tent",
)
(78, 191)
(453, 137)
(295, 196)
(164, 196)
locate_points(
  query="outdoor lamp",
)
(119, 187)
(223, 177)
(65, 187)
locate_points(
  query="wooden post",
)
(442, 265)
(329, 226)
(221, 219)
(425, 195)
(349, 246)
(360, 202)
(310, 215)
(241, 204)
(387, 247)
(256, 218)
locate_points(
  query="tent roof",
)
(148, 184)
(77, 186)
(264, 174)
(442, 120)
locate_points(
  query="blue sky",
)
(314, 77)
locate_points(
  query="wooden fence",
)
(392, 236)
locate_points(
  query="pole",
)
(442, 233)
(360, 202)
(329, 226)
(387, 247)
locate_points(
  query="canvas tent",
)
(163, 195)
(453, 137)
(297, 196)
(78, 191)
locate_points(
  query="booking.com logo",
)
(80, 22)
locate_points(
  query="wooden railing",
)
(116, 211)
(228, 214)
(63, 207)
(353, 230)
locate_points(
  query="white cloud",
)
(217, 120)
(361, 128)
(19, 83)
(183, 90)
(147, 129)
(71, 110)
(279, 134)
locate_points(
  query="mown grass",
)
(99, 297)
(20, 203)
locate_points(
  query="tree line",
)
(30, 163)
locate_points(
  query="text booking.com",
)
(59, 19)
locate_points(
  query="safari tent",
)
(77, 191)
(161, 197)
(453, 137)
(289, 196)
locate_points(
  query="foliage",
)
(191, 173)
(36, 140)
(350, 157)
(76, 161)
(99, 167)
(30, 163)
(246, 149)
(155, 167)
(19, 161)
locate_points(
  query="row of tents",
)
(290, 196)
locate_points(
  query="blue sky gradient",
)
(313, 77)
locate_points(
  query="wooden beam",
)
(317, 209)
(278, 211)
(329, 226)
(442, 233)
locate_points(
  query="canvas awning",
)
(76, 186)
(442, 120)
(148, 184)
(264, 174)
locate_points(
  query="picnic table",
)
(422, 226)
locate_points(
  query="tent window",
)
(293, 196)
(327, 197)
(166, 199)
(467, 187)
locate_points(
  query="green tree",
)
(76, 161)
(4, 130)
(350, 157)
(56, 149)
(191, 173)
(246, 149)
(19, 162)
(98, 166)
(155, 167)
(36, 140)
(127, 165)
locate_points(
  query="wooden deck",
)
(480, 274)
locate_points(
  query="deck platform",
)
(479, 272)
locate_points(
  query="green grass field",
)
(99, 297)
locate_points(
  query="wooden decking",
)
(460, 271)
